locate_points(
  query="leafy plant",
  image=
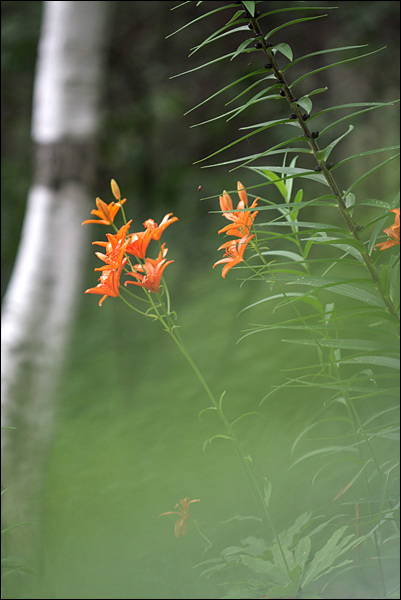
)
(343, 295)
(325, 273)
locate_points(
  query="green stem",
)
(217, 406)
(324, 169)
(209, 543)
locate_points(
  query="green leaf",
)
(306, 103)
(287, 536)
(211, 62)
(286, 253)
(265, 126)
(346, 344)
(349, 200)
(329, 450)
(327, 556)
(256, 98)
(298, 202)
(375, 168)
(290, 182)
(222, 436)
(293, 172)
(350, 246)
(250, 7)
(227, 87)
(288, 23)
(205, 410)
(242, 46)
(326, 51)
(247, 414)
(266, 568)
(285, 49)
(328, 150)
(302, 551)
(267, 490)
(339, 287)
(220, 33)
(367, 153)
(211, 12)
(280, 185)
(383, 361)
(341, 62)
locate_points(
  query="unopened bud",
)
(115, 189)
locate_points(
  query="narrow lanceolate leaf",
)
(323, 452)
(346, 344)
(205, 410)
(374, 106)
(247, 414)
(328, 150)
(224, 31)
(211, 62)
(351, 483)
(225, 88)
(222, 436)
(265, 126)
(383, 361)
(256, 98)
(339, 287)
(288, 23)
(293, 172)
(267, 491)
(350, 246)
(254, 84)
(326, 51)
(281, 148)
(362, 177)
(277, 182)
(362, 155)
(243, 45)
(341, 62)
(211, 12)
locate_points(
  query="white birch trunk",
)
(42, 295)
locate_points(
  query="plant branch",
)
(322, 166)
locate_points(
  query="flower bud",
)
(115, 189)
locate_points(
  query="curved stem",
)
(171, 329)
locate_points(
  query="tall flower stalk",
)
(119, 248)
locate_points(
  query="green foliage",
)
(343, 292)
(270, 575)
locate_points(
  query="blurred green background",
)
(128, 444)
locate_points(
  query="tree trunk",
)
(42, 295)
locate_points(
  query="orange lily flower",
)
(156, 229)
(115, 249)
(154, 270)
(105, 212)
(139, 242)
(109, 284)
(241, 221)
(234, 253)
(393, 232)
(181, 525)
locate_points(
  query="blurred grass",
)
(129, 442)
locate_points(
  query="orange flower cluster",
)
(181, 524)
(240, 227)
(393, 232)
(121, 244)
